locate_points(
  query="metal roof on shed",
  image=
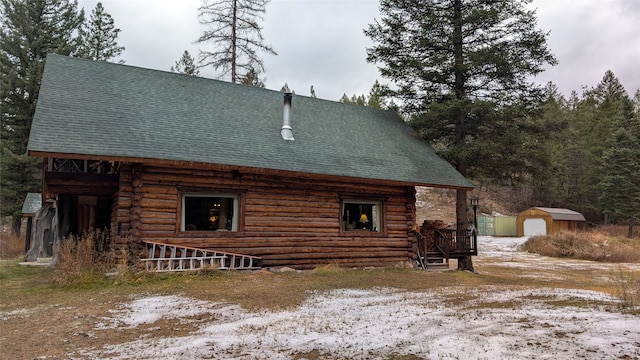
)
(562, 214)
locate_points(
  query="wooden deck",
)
(437, 245)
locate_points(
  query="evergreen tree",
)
(235, 35)
(599, 113)
(29, 31)
(285, 88)
(376, 96)
(549, 183)
(98, 38)
(252, 78)
(186, 65)
(620, 184)
(374, 99)
(454, 62)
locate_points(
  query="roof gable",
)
(111, 110)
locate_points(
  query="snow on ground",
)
(504, 251)
(378, 323)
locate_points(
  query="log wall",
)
(287, 221)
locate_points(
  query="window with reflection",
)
(361, 215)
(209, 212)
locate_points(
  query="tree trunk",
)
(234, 41)
(462, 219)
(465, 264)
(630, 232)
(45, 233)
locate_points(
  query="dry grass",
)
(73, 309)
(596, 246)
(80, 262)
(11, 246)
(619, 230)
(586, 245)
(626, 287)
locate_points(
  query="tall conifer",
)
(98, 37)
(29, 31)
(454, 62)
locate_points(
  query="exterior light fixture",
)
(474, 204)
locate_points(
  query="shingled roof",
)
(107, 110)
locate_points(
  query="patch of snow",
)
(6, 315)
(151, 309)
(493, 323)
(364, 324)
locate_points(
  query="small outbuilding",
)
(31, 205)
(543, 220)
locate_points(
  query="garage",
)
(544, 220)
(535, 226)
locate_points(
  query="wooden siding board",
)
(288, 221)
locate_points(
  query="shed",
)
(544, 220)
(497, 225)
(32, 203)
(193, 165)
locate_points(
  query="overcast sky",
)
(321, 42)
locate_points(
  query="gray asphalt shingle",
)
(112, 110)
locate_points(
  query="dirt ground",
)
(516, 305)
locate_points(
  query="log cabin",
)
(184, 162)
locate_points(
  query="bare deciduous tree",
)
(233, 30)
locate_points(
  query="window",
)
(209, 212)
(361, 215)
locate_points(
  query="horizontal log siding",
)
(287, 221)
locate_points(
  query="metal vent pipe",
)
(286, 131)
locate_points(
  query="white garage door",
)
(535, 226)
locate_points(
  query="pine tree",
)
(252, 78)
(601, 112)
(285, 88)
(550, 180)
(454, 62)
(29, 31)
(374, 99)
(186, 65)
(235, 35)
(98, 38)
(620, 184)
(376, 96)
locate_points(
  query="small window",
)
(209, 212)
(361, 215)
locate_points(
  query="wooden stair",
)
(435, 260)
(167, 257)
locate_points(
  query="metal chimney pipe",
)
(286, 131)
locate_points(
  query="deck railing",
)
(77, 166)
(456, 243)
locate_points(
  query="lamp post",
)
(474, 204)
